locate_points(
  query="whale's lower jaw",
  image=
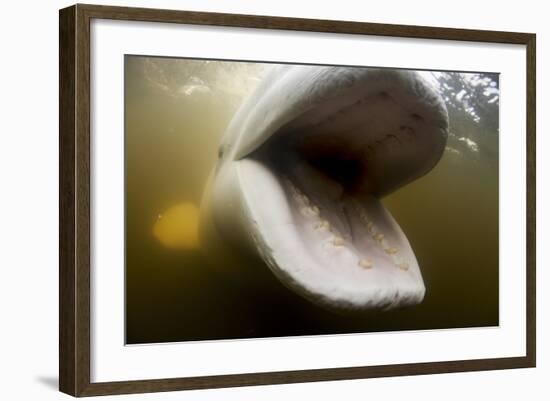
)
(350, 255)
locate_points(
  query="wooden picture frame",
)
(74, 204)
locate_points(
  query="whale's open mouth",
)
(312, 191)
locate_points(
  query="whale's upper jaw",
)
(310, 185)
(372, 144)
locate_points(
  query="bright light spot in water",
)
(460, 95)
(471, 144)
(177, 227)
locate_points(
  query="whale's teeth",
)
(302, 198)
(370, 227)
(391, 251)
(323, 224)
(338, 241)
(378, 237)
(365, 263)
(310, 211)
(403, 266)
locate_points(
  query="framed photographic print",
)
(252, 200)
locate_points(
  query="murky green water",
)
(176, 113)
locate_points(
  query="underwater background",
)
(176, 111)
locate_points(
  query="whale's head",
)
(301, 170)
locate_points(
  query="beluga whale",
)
(301, 171)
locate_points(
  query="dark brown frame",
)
(74, 199)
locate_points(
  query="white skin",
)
(302, 167)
